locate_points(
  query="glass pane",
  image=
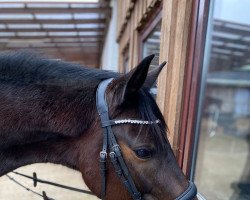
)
(223, 157)
(151, 45)
(126, 60)
(125, 64)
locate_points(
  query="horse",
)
(49, 113)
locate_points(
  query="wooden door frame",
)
(192, 83)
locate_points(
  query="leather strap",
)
(102, 109)
(189, 194)
(121, 167)
(109, 141)
(103, 158)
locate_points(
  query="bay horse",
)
(48, 113)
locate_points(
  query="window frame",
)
(145, 31)
(192, 84)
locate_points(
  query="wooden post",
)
(174, 40)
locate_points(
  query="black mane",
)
(46, 94)
(27, 68)
(149, 110)
(22, 70)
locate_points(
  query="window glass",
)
(125, 68)
(222, 169)
(151, 45)
(125, 64)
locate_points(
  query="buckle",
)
(115, 147)
(137, 196)
(112, 154)
(103, 154)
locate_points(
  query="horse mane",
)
(25, 67)
(48, 95)
(148, 110)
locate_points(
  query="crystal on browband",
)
(135, 121)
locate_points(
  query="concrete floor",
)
(223, 164)
(55, 173)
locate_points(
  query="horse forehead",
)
(134, 133)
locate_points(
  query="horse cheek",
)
(88, 161)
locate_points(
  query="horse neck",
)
(43, 124)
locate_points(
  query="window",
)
(125, 56)
(150, 44)
(222, 168)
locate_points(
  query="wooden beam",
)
(65, 41)
(84, 46)
(50, 37)
(53, 30)
(237, 32)
(49, 2)
(52, 45)
(240, 41)
(52, 21)
(231, 49)
(91, 50)
(46, 10)
(176, 18)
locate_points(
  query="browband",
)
(128, 121)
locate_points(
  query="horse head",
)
(143, 142)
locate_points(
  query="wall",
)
(134, 16)
(109, 60)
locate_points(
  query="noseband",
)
(115, 154)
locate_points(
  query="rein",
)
(37, 180)
(115, 154)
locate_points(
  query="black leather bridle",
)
(115, 154)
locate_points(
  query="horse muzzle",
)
(189, 194)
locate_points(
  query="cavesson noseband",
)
(115, 154)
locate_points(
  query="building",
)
(204, 93)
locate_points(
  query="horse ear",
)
(136, 78)
(153, 75)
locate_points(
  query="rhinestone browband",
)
(135, 121)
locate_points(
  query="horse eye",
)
(143, 153)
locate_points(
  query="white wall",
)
(109, 60)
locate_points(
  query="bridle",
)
(115, 154)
